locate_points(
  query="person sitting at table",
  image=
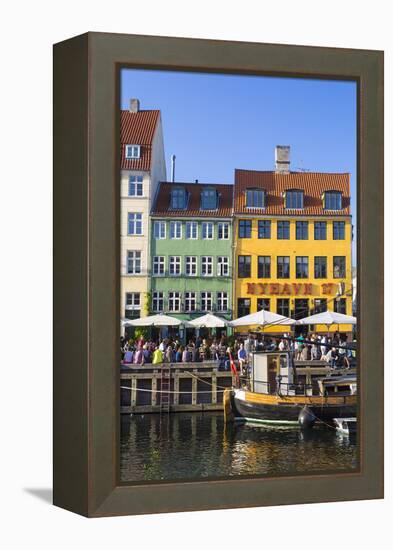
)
(242, 358)
(128, 356)
(138, 357)
(168, 355)
(185, 355)
(157, 356)
(179, 354)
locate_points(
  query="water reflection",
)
(194, 445)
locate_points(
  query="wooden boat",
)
(278, 392)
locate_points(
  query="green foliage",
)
(148, 301)
(141, 332)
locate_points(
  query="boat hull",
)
(274, 409)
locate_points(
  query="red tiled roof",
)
(162, 203)
(138, 129)
(312, 183)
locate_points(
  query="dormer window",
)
(332, 200)
(133, 151)
(178, 199)
(255, 198)
(209, 199)
(294, 198)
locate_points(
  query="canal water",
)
(200, 445)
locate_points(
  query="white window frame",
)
(132, 151)
(133, 306)
(190, 297)
(222, 298)
(193, 264)
(177, 235)
(192, 225)
(222, 264)
(207, 261)
(157, 295)
(132, 255)
(161, 234)
(158, 263)
(175, 261)
(135, 214)
(205, 298)
(138, 185)
(221, 226)
(207, 225)
(174, 297)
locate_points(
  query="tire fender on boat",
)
(306, 418)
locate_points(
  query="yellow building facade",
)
(292, 246)
(283, 295)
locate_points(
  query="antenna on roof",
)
(301, 169)
(173, 162)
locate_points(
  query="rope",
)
(163, 391)
(206, 382)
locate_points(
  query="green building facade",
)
(191, 269)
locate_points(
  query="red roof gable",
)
(314, 184)
(138, 129)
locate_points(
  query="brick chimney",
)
(283, 159)
(134, 105)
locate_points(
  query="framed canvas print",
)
(218, 239)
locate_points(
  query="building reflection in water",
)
(195, 445)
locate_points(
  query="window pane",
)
(244, 266)
(283, 307)
(320, 231)
(245, 229)
(243, 306)
(338, 230)
(255, 198)
(283, 267)
(301, 230)
(263, 303)
(264, 227)
(282, 230)
(338, 267)
(301, 267)
(209, 199)
(264, 266)
(294, 199)
(320, 267)
(333, 200)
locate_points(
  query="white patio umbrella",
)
(209, 320)
(159, 320)
(328, 318)
(262, 318)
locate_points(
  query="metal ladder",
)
(165, 400)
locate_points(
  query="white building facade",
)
(142, 168)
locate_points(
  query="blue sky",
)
(216, 123)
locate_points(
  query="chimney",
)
(134, 105)
(282, 159)
(173, 163)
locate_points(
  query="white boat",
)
(345, 425)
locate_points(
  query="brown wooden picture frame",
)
(86, 272)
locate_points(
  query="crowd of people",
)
(314, 347)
